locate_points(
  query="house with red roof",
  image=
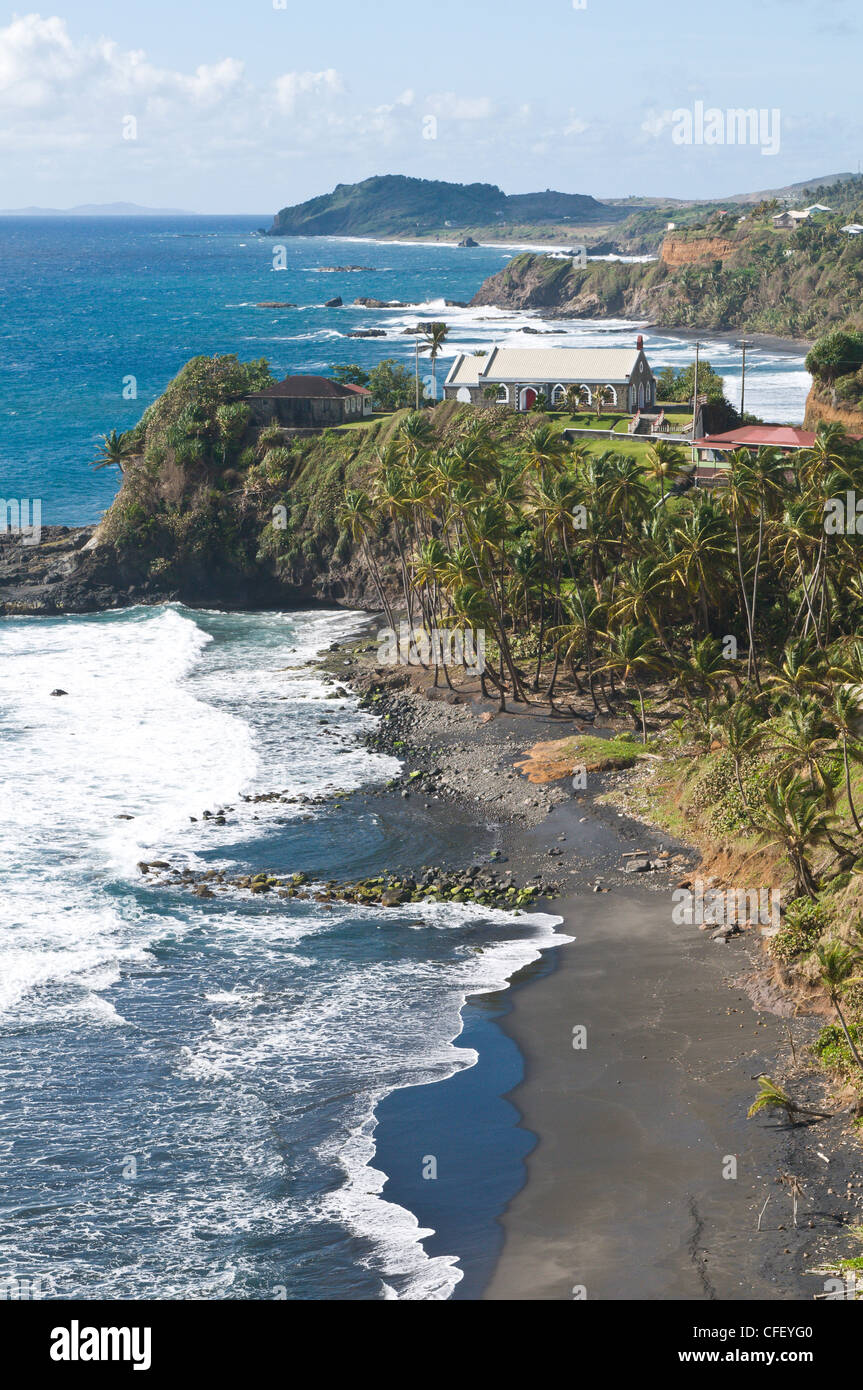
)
(713, 449)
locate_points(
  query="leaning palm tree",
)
(356, 516)
(115, 448)
(434, 336)
(771, 1096)
(837, 963)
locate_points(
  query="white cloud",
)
(575, 126)
(65, 100)
(59, 91)
(450, 106)
(291, 87)
(655, 122)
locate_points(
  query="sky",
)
(241, 106)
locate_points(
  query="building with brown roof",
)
(309, 402)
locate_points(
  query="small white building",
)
(519, 375)
(853, 229)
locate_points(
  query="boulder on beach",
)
(334, 303)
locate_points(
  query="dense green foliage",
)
(796, 283)
(674, 385)
(392, 384)
(389, 204)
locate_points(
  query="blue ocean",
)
(90, 303)
(233, 1097)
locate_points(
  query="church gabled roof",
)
(613, 365)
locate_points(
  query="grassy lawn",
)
(586, 420)
(364, 421)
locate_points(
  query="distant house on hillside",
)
(623, 375)
(853, 229)
(791, 218)
(309, 402)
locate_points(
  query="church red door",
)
(529, 398)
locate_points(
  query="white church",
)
(622, 376)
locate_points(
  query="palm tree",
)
(802, 738)
(846, 716)
(794, 817)
(434, 337)
(837, 963)
(356, 516)
(633, 654)
(700, 561)
(706, 670)
(114, 450)
(742, 729)
(663, 461)
(771, 1096)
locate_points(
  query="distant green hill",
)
(393, 205)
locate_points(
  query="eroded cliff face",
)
(679, 250)
(72, 570)
(819, 410)
(697, 283)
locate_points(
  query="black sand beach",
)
(648, 1178)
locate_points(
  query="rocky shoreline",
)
(551, 847)
(456, 749)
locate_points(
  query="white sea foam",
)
(134, 736)
(392, 1024)
(167, 714)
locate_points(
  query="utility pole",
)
(417, 372)
(744, 344)
(695, 401)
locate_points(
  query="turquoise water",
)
(230, 1097)
(90, 302)
(189, 1088)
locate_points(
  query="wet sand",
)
(625, 1190)
(625, 1193)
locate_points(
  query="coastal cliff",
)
(215, 509)
(732, 273)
